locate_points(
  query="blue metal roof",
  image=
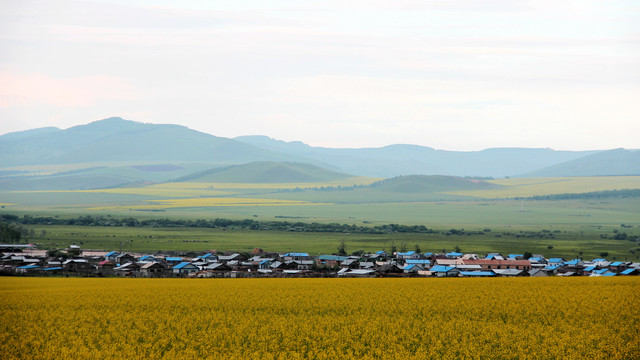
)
(628, 271)
(332, 258)
(28, 267)
(551, 267)
(381, 252)
(183, 264)
(477, 273)
(146, 257)
(112, 253)
(515, 255)
(601, 271)
(617, 263)
(599, 260)
(453, 253)
(442, 268)
(572, 262)
(418, 261)
(297, 254)
(535, 259)
(609, 274)
(173, 258)
(590, 268)
(54, 268)
(408, 253)
(555, 260)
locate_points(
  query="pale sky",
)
(453, 75)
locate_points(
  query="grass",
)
(586, 243)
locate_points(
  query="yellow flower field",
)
(207, 202)
(529, 318)
(523, 187)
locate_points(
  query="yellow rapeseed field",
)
(523, 187)
(208, 202)
(528, 318)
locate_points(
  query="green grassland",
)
(149, 240)
(440, 203)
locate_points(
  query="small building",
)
(185, 268)
(444, 271)
(330, 260)
(152, 269)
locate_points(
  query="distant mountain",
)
(394, 160)
(117, 140)
(611, 162)
(266, 172)
(117, 145)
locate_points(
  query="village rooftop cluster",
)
(16, 260)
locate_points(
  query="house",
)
(26, 269)
(630, 271)
(495, 256)
(408, 255)
(448, 262)
(77, 266)
(232, 257)
(350, 263)
(330, 260)
(296, 256)
(369, 265)
(346, 272)
(111, 255)
(424, 263)
(105, 267)
(444, 271)
(510, 272)
(488, 264)
(538, 272)
(128, 269)
(555, 261)
(618, 266)
(148, 258)
(172, 260)
(454, 255)
(152, 269)
(185, 268)
(217, 268)
(413, 268)
(387, 269)
(208, 258)
(477, 274)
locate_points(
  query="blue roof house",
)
(185, 268)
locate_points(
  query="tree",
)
(527, 255)
(342, 248)
(418, 249)
(457, 249)
(9, 233)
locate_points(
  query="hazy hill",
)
(612, 162)
(394, 160)
(118, 140)
(430, 184)
(266, 172)
(119, 144)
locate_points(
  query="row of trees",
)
(246, 224)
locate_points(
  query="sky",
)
(454, 75)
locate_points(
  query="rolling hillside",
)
(612, 162)
(266, 172)
(119, 144)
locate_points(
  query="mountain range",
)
(127, 151)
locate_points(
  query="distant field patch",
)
(208, 202)
(525, 187)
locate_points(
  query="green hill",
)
(612, 162)
(266, 172)
(430, 184)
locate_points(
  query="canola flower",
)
(550, 318)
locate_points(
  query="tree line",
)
(246, 224)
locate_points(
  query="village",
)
(25, 260)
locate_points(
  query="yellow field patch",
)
(524, 187)
(364, 319)
(208, 202)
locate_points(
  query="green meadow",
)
(581, 227)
